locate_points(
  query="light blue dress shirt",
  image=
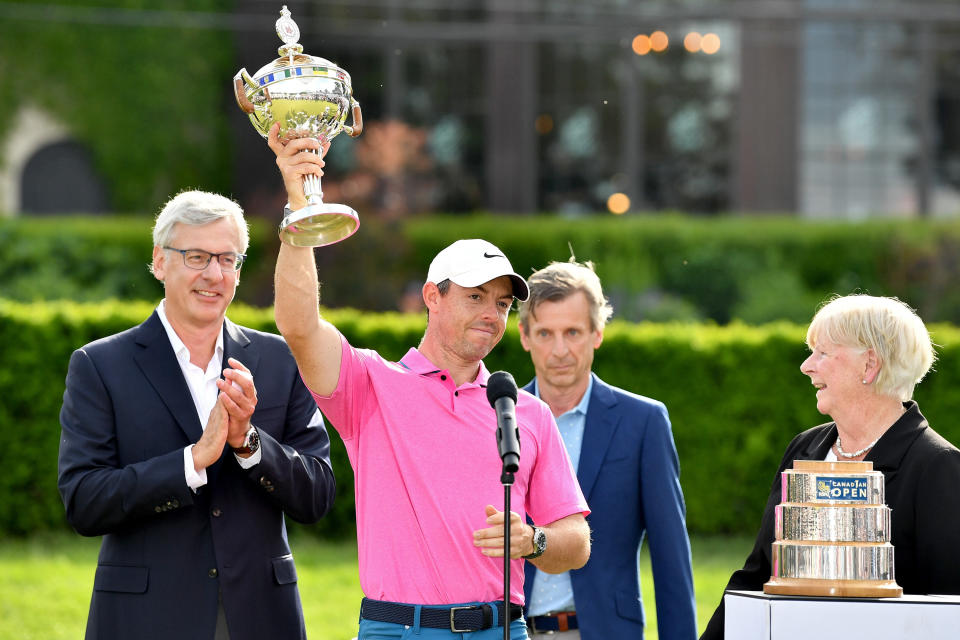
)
(553, 591)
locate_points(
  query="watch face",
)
(253, 441)
(250, 443)
(539, 543)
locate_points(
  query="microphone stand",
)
(502, 395)
(506, 478)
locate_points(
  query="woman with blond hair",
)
(867, 355)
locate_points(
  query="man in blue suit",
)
(621, 446)
(184, 441)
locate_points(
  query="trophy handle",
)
(357, 127)
(240, 81)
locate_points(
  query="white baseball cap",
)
(471, 263)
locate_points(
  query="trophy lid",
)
(292, 57)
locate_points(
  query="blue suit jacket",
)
(167, 553)
(629, 474)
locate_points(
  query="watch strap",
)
(251, 442)
(539, 543)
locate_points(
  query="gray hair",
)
(560, 280)
(197, 208)
(893, 330)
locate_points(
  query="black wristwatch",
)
(251, 443)
(539, 543)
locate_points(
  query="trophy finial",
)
(289, 32)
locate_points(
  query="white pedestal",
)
(754, 615)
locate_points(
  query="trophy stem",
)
(311, 186)
(318, 224)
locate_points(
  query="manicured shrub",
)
(735, 395)
(654, 268)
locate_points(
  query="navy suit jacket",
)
(630, 476)
(168, 553)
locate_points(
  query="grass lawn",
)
(47, 580)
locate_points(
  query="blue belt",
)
(459, 619)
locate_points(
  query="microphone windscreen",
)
(501, 385)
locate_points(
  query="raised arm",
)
(315, 343)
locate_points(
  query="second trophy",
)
(309, 97)
(832, 533)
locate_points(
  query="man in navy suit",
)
(184, 442)
(621, 446)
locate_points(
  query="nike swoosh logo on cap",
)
(492, 255)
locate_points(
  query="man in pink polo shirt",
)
(420, 434)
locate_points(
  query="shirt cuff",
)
(246, 463)
(195, 479)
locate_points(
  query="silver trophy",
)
(309, 97)
(832, 532)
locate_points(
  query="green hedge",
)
(659, 269)
(99, 258)
(758, 270)
(735, 394)
(88, 259)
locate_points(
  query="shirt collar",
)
(180, 349)
(418, 363)
(584, 403)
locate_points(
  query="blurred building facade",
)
(826, 108)
(822, 108)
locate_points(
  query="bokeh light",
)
(710, 43)
(691, 42)
(618, 203)
(641, 45)
(544, 123)
(659, 41)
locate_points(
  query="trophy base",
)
(833, 588)
(320, 224)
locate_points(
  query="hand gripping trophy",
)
(309, 97)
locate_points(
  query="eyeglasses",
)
(199, 259)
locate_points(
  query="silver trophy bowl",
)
(309, 97)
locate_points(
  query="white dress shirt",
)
(203, 389)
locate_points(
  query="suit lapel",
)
(237, 345)
(817, 448)
(888, 453)
(159, 365)
(598, 431)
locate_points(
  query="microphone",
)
(502, 395)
